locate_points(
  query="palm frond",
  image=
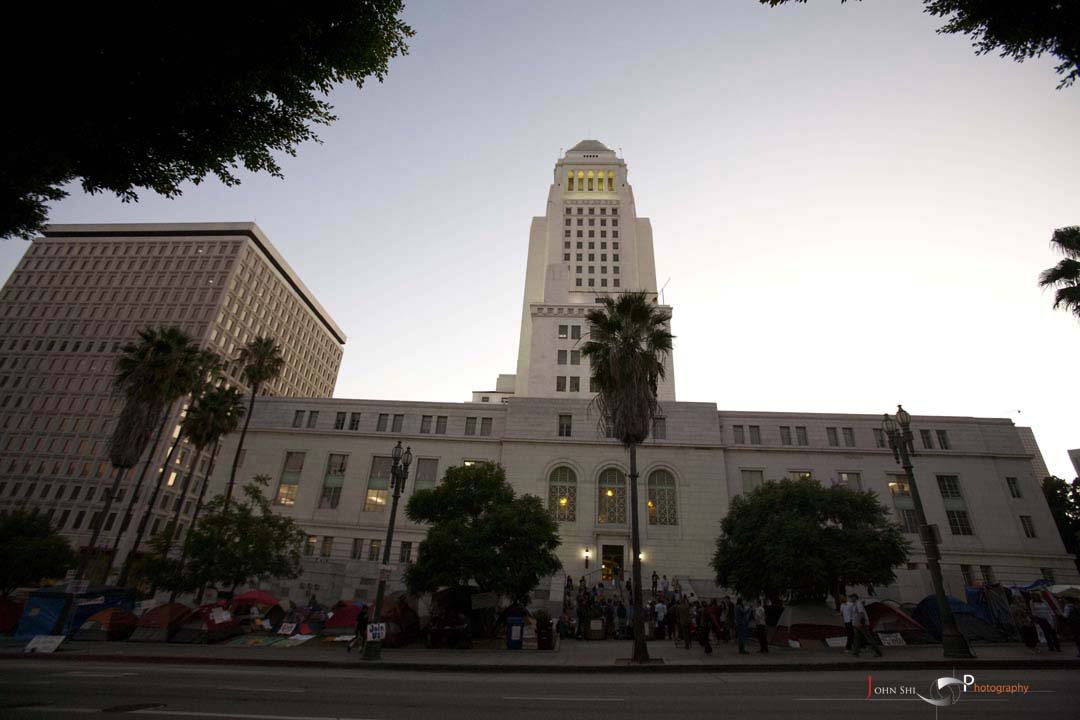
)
(1066, 240)
(262, 361)
(1069, 298)
(1066, 272)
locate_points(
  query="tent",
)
(402, 621)
(259, 598)
(160, 623)
(974, 623)
(10, 611)
(109, 624)
(1066, 591)
(885, 617)
(807, 621)
(56, 611)
(343, 620)
(207, 624)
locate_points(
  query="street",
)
(50, 689)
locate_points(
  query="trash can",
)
(515, 630)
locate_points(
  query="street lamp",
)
(902, 442)
(399, 472)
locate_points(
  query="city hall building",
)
(329, 458)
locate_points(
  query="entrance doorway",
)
(611, 558)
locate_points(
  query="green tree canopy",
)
(1065, 276)
(127, 99)
(481, 532)
(30, 550)
(796, 540)
(1018, 29)
(1064, 500)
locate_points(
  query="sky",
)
(849, 210)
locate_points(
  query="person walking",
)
(1072, 619)
(743, 617)
(1025, 625)
(861, 621)
(360, 638)
(1044, 618)
(846, 609)
(655, 581)
(760, 629)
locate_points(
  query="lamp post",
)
(902, 442)
(399, 472)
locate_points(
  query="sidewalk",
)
(571, 656)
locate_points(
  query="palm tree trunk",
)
(641, 651)
(183, 494)
(195, 516)
(145, 520)
(240, 445)
(138, 483)
(98, 525)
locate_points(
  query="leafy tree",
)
(481, 532)
(798, 541)
(262, 361)
(628, 343)
(227, 85)
(1065, 276)
(30, 550)
(238, 541)
(1020, 29)
(1064, 501)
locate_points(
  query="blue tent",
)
(55, 611)
(975, 623)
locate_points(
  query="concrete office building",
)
(79, 294)
(329, 458)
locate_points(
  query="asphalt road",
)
(52, 690)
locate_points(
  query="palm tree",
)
(628, 343)
(262, 361)
(158, 369)
(1065, 276)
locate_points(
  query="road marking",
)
(566, 699)
(192, 713)
(85, 674)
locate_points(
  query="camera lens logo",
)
(944, 691)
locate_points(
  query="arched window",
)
(562, 494)
(591, 181)
(611, 500)
(570, 181)
(610, 181)
(662, 503)
(581, 181)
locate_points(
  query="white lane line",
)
(567, 699)
(84, 674)
(192, 713)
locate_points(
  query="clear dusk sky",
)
(852, 210)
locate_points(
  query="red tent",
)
(108, 624)
(342, 622)
(255, 597)
(207, 624)
(886, 617)
(159, 624)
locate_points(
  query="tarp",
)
(10, 611)
(207, 624)
(159, 624)
(888, 618)
(55, 611)
(807, 621)
(108, 624)
(974, 623)
(1072, 591)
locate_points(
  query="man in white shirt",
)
(845, 612)
(861, 620)
(661, 613)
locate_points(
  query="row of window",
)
(589, 181)
(990, 578)
(834, 435)
(592, 234)
(387, 422)
(325, 547)
(611, 495)
(425, 474)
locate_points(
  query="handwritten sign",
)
(891, 639)
(44, 643)
(287, 629)
(376, 631)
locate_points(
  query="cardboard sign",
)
(220, 615)
(891, 639)
(78, 588)
(376, 631)
(287, 629)
(44, 643)
(837, 642)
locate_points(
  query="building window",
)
(740, 435)
(575, 356)
(327, 547)
(357, 549)
(785, 435)
(354, 421)
(755, 434)
(374, 553)
(879, 437)
(470, 426)
(1014, 487)
(909, 520)
(485, 425)
(398, 422)
(659, 428)
(959, 522)
(565, 425)
(949, 485)
(850, 480)
(1029, 526)
(834, 440)
(661, 498)
(298, 419)
(378, 484)
(800, 475)
(969, 577)
(612, 497)
(339, 421)
(562, 494)
(564, 332)
(943, 439)
(382, 423)
(333, 480)
(313, 417)
(440, 425)
(927, 439)
(575, 332)
(560, 383)
(290, 478)
(427, 474)
(425, 424)
(752, 480)
(849, 437)
(988, 575)
(405, 553)
(575, 383)
(561, 359)
(309, 546)
(800, 436)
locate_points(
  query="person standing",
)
(861, 620)
(620, 617)
(1072, 619)
(760, 629)
(661, 617)
(360, 638)
(846, 609)
(729, 618)
(664, 587)
(1044, 618)
(743, 618)
(655, 580)
(704, 624)
(682, 615)
(1025, 625)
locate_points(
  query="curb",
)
(1033, 664)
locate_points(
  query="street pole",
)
(901, 440)
(399, 472)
